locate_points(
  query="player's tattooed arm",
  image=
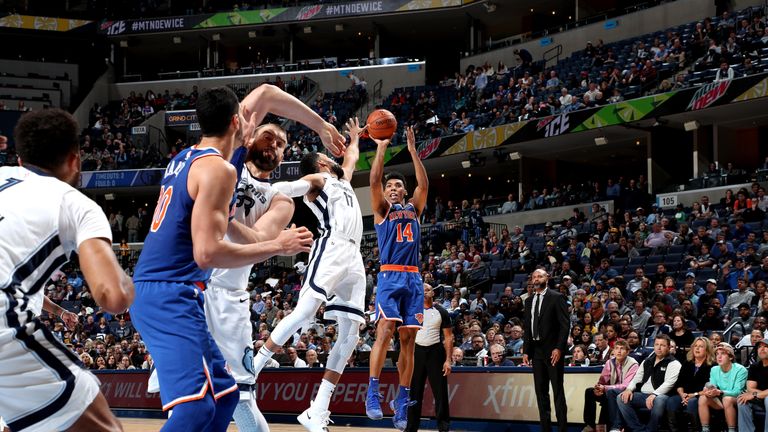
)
(269, 225)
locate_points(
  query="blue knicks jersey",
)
(399, 236)
(167, 253)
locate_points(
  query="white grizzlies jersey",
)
(42, 221)
(254, 196)
(337, 209)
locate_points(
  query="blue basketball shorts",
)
(400, 297)
(170, 317)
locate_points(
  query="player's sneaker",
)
(373, 405)
(400, 407)
(315, 422)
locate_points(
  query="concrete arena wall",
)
(330, 80)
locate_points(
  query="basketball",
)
(381, 124)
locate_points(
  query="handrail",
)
(558, 52)
(726, 333)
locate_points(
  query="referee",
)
(432, 359)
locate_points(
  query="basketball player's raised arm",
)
(379, 203)
(270, 99)
(352, 154)
(419, 199)
(302, 186)
(210, 185)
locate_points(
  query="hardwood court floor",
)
(153, 425)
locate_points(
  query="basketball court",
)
(154, 425)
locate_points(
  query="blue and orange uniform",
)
(400, 292)
(168, 308)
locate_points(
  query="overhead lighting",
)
(308, 29)
(123, 44)
(109, 197)
(515, 156)
(176, 40)
(601, 140)
(339, 27)
(466, 164)
(251, 34)
(691, 125)
(216, 36)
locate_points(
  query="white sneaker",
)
(315, 422)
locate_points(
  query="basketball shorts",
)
(228, 315)
(400, 297)
(336, 275)
(171, 319)
(42, 384)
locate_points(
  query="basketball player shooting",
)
(400, 293)
(335, 272)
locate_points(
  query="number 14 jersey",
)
(399, 236)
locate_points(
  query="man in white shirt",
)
(295, 360)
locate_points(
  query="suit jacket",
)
(554, 324)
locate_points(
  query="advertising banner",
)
(180, 118)
(31, 22)
(271, 15)
(123, 178)
(474, 393)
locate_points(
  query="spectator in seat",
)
(510, 205)
(457, 357)
(727, 380)
(756, 394)
(694, 374)
(497, 357)
(742, 296)
(123, 330)
(649, 388)
(659, 326)
(725, 72)
(294, 357)
(617, 373)
(602, 350)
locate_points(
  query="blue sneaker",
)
(400, 407)
(373, 405)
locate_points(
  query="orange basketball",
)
(381, 124)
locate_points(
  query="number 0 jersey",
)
(167, 253)
(399, 236)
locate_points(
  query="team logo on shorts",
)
(420, 318)
(248, 360)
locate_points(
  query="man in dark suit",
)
(546, 336)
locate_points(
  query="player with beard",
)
(186, 242)
(335, 272)
(227, 310)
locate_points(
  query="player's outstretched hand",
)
(332, 139)
(249, 125)
(353, 127)
(382, 142)
(70, 319)
(411, 138)
(295, 240)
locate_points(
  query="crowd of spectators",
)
(487, 95)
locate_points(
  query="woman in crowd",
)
(682, 337)
(693, 375)
(727, 381)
